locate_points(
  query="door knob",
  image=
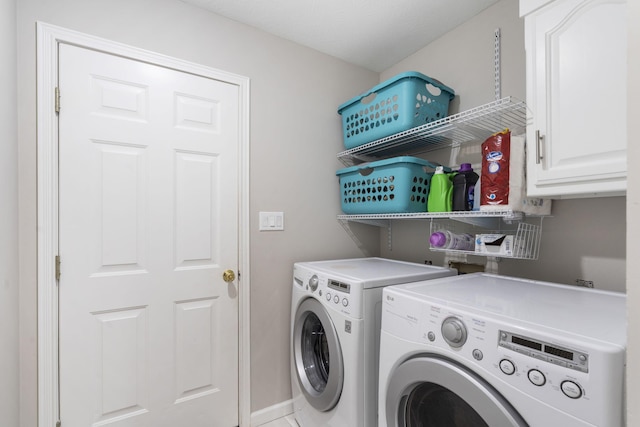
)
(228, 276)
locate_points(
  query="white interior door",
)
(148, 222)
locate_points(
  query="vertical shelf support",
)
(496, 64)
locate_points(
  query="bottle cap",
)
(438, 239)
(439, 169)
(465, 167)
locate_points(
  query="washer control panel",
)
(333, 293)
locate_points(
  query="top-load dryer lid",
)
(375, 272)
(596, 314)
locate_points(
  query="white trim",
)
(48, 39)
(272, 413)
(244, 303)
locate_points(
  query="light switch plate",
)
(271, 221)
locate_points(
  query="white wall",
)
(633, 211)
(295, 135)
(585, 238)
(9, 362)
(463, 59)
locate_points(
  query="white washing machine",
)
(484, 350)
(335, 330)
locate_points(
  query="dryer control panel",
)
(552, 353)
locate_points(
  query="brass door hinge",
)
(58, 268)
(57, 100)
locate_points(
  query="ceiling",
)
(374, 34)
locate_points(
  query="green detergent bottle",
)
(440, 196)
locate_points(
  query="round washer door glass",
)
(433, 391)
(315, 352)
(317, 355)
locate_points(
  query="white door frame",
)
(48, 39)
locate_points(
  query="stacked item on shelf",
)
(517, 240)
(502, 180)
(467, 127)
(403, 102)
(501, 185)
(453, 191)
(398, 184)
(498, 230)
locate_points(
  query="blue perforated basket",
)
(407, 100)
(399, 184)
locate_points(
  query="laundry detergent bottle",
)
(440, 192)
(464, 183)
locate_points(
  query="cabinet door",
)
(576, 92)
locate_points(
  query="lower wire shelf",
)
(521, 236)
(513, 241)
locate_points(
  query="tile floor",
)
(287, 421)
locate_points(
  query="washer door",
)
(433, 391)
(317, 355)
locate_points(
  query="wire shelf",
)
(473, 125)
(525, 243)
(470, 217)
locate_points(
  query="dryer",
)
(486, 350)
(335, 329)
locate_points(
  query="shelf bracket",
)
(491, 265)
(382, 223)
(450, 257)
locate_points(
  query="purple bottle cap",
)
(465, 167)
(438, 239)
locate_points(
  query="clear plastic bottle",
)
(477, 197)
(445, 239)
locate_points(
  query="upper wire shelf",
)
(478, 218)
(473, 125)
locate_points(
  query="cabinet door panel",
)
(576, 73)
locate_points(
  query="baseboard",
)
(271, 413)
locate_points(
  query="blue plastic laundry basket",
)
(407, 100)
(399, 184)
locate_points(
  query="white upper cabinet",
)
(576, 54)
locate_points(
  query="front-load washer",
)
(485, 350)
(335, 331)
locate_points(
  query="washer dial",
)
(313, 283)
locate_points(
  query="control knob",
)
(313, 283)
(454, 332)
